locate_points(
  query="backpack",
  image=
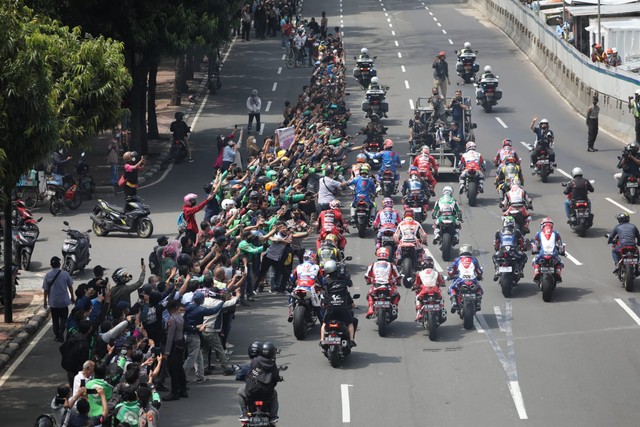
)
(127, 415)
(259, 383)
(182, 223)
(154, 262)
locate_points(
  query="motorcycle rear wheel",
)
(299, 323)
(75, 202)
(407, 270)
(487, 107)
(628, 276)
(445, 246)
(144, 228)
(333, 356)
(544, 175)
(468, 311)
(506, 283)
(472, 193)
(582, 229)
(381, 320)
(548, 283)
(433, 325)
(362, 230)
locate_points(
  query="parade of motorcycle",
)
(334, 245)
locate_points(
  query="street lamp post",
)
(599, 36)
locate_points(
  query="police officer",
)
(337, 299)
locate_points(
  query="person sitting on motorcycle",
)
(507, 172)
(361, 160)
(509, 235)
(375, 85)
(507, 150)
(181, 132)
(265, 362)
(547, 242)
(466, 48)
(446, 205)
(518, 198)
(373, 131)
(338, 301)
(364, 189)
(629, 163)
(328, 250)
(410, 231)
(364, 54)
(487, 74)
(577, 189)
(544, 141)
(471, 160)
(388, 159)
(308, 271)
(465, 267)
(428, 280)
(382, 272)
(415, 186)
(386, 219)
(330, 221)
(624, 234)
(427, 166)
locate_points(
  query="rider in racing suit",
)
(428, 280)
(330, 221)
(547, 242)
(410, 231)
(512, 237)
(414, 186)
(386, 219)
(446, 205)
(506, 151)
(465, 267)
(329, 250)
(472, 160)
(507, 171)
(382, 272)
(306, 273)
(518, 198)
(365, 189)
(388, 159)
(427, 167)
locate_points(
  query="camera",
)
(156, 351)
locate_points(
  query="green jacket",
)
(95, 402)
(248, 249)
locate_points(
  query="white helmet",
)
(615, 50)
(487, 68)
(447, 190)
(330, 266)
(543, 121)
(364, 51)
(228, 204)
(374, 80)
(470, 145)
(637, 92)
(467, 45)
(576, 172)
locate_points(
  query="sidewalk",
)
(28, 312)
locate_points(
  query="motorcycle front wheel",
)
(55, 206)
(144, 228)
(25, 260)
(69, 265)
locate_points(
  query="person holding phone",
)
(84, 375)
(441, 73)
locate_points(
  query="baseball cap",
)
(198, 297)
(162, 240)
(146, 289)
(98, 270)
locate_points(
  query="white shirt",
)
(254, 103)
(327, 190)
(76, 382)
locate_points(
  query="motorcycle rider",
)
(382, 272)
(506, 151)
(365, 189)
(465, 267)
(427, 166)
(364, 54)
(517, 197)
(547, 242)
(361, 160)
(386, 219)
(181, 132)
(509, 235)
(487, 74)
(330, 221)
(375, 85)
(307, 271)
(338, 301)
(416, 186)
(446, 205)
(472, 160)
(507, 172)
(388, 159)
(410, 231)
(466, 48)
(544, 141)
(329, 249)
(629, 163)
(624, 234)
(265, 362)
(427, 280)
(577, 189)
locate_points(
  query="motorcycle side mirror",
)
(375, 57)
(606, 235)
(355, 296)
(66, 223)
(88, 231)
(355, 57)
(349, 258)
(39, 219)
(564, 184)
(456, 52)
(474, 125)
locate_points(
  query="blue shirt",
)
(229, 154)
(388, 158)
(58, 290)
(363, 187)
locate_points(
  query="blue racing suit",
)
(389, 159)
(364, 187)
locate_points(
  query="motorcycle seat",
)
(113, 207)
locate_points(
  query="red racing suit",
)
(503, 153)
(426, 164)
(330, 221)
(410, 232)
(519, 199)
(427, 281)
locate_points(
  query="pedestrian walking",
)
(245, 17)
(112, 161)
(58, 294)
(592, 124)
(254, 104)
(441, 73)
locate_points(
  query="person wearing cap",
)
(230, 154)
(254, 104)
(592, 124)
(58, 294)
(441, 73)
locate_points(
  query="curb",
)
(19, 337)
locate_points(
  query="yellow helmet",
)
(332, 238)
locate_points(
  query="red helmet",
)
(408, 213)
(387, 144)
(387, 202)
(506, 142)
(545, 221)
(382, 253)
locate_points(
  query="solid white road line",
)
(619, 205)
(266, 110)
(564, 173)
(275, 85)
(346, 406)
(435, 263)
(503, 124)
(25, 353)
(404, 70)
(406, 84)
(516, 395)
(399, 54)
(396, 42)
(624, 306)
(450, 41)
(572, 259)
(279, 70)
(411, 104)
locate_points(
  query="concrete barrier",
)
(573, 74)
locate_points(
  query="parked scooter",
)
(64, 194)
(86, 185)
(22, 247)
(75, 250)
(23, 219)
(134, 218)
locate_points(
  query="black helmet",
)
(428, 262)
(134, 157)
(268, 350)
(179, 115)
(254, 349)
(120, 276)
(623, 217)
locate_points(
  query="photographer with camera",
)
(634, 106)
(122, 291)
(629, 163)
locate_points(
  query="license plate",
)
(382, 304)
(387, 238)
(417, 209)
(507, 269)
(630, 260)
(469, 296)
(546, 269)
(543, 162)
(432, 307)
(582, 214)
(259, 422)
(632, 184)
(332, 340)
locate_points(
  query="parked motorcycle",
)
(75, 250)
(364, 71)
(134, 218)
(487, 94)
(363, 216)
(178, 151)
(467, 302)
(24, 220)
(22, 247)
(447, 235)
(14, 283)
(408, 261)
(384, 312)
(305, 315)
(431, 313)
(375, 103)
(336, 345)
(64, 194)
(86, 185)
(466, 66)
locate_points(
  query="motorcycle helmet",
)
(330, 266)
(408, 214)
(634, 146)
(387, 202)
(134, 156)
(334, 204)
(382, 253)
(487, 69)
(614, 50)
(364, 170)
(623, 217)
(506, 142)
(332, 238)
(308, 255)
(179, 115)
(637, 92)
(254, 349)
(426, 151)
(268, 350)
(545, 221)
(447, 191)
(374, 81)
(428, 262)
(364, 51)
(466, 249)
(576, 172)
(544, 122)
(508, 221)
(120, 276)
(467, 45)
(387, 144)
(610, 51)
(470, 145)
(413, 171)
(228, 204)
(361, 158)
(189, 198)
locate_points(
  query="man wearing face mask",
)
(60, 159)
(122, 291)
(189, 209)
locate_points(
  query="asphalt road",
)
(571, 362)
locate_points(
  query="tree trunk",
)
(139, 68)
(188, 66)
(182, 77)
(176, 96)
(8, 262)
(152, 131)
